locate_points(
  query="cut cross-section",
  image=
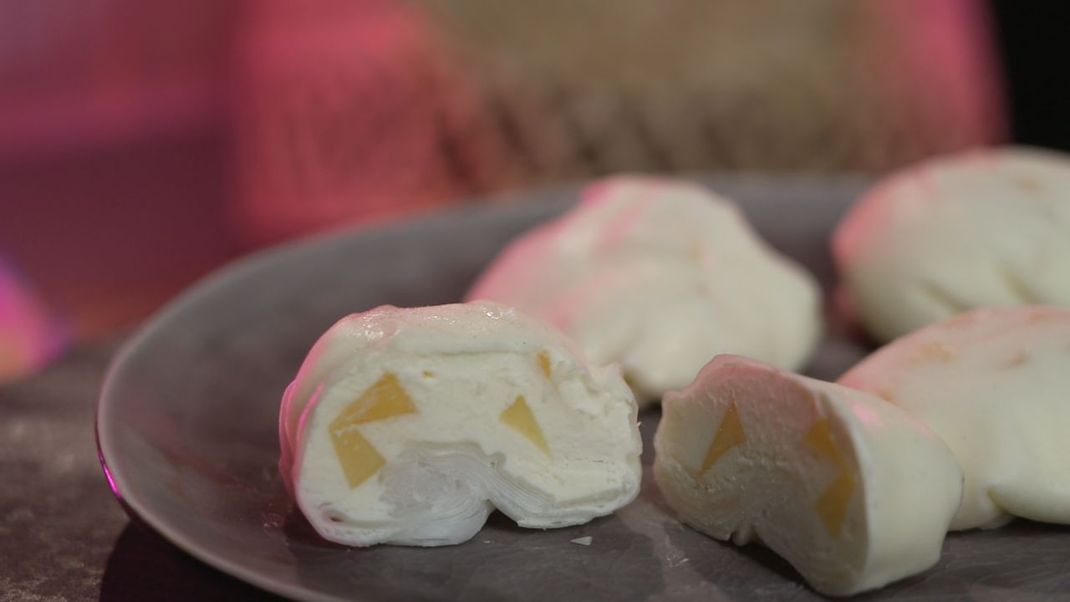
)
(849, 489)
(411, 426)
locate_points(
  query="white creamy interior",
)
(993, 384)
(905, 485)
(453, 460)
(659, 276)
(983, 228)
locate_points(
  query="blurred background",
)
(144, 143)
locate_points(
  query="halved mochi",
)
(849, 489)
(410, 426)
(995, 385)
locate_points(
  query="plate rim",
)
(137, 510)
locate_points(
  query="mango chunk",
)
(820, 440)
(729, 434)
(831, 506)
(359, 458)
(385, 399)
(544, 364)
(518, 417)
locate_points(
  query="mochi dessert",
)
(410, 426)
(995, 385)
(659, 276)
(852, 491)
(982, 228)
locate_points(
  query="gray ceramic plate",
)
(187, 432)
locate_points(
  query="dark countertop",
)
(63, 536)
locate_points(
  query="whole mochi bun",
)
(983, 228)
(992, 383)
(659, 276)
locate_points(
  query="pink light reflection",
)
(28, 337)
(867, 416)
(107, 475)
